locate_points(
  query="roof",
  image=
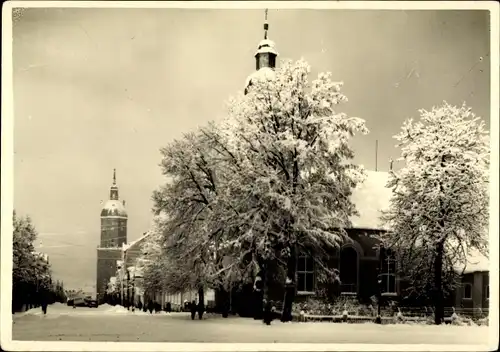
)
(261, 74)
(371, 197)
(267, 46)
(476, 262)
(114, 208)
(137, 244)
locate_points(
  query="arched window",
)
(467, 291)
(349, 261)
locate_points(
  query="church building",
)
(113, 235)
(359, 261)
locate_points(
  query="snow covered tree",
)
(196, 215)
(31, 275)
(270, 182)
(151, 264)
(439, 208)
(292, 146)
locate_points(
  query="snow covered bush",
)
(318, 306)
(439, 208)
(483, 321)
(313, 306)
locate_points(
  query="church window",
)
(467, 293)
(388, 272)
(305, 274)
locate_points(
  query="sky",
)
(98, 89)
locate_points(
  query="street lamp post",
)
(388, 293)
(378, 320)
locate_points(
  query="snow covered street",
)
(108, 323)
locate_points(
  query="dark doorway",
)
(348, 270)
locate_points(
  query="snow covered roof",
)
(373, 196)
(267, 46)
(135, 245)
(475, 262)
(370, 198)
(114, 208)
(261, 74)
(266, 42)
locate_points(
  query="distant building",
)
(113, 235)
(474, 291)
(132, 277)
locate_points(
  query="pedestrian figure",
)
(193, 309)
(43, 301)
(139, 305)
(258, 296)
(150, 306)
(268, 314)
(169, 307)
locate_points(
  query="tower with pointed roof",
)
(265, 59)
(113, 235)
(113, 219)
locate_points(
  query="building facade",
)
(113, 235)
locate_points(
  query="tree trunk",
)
(201, 302)
(438, 286)
(258, 293)
(438, 264)
(290, 286)
(224, 301)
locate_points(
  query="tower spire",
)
(265, 57)
(113, 193)
(266, 25)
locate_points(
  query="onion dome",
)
(113, 206)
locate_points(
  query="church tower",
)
(113, 219)
(265, 59)
(113, 235)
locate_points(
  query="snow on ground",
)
(59, 309)
(113, 324)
